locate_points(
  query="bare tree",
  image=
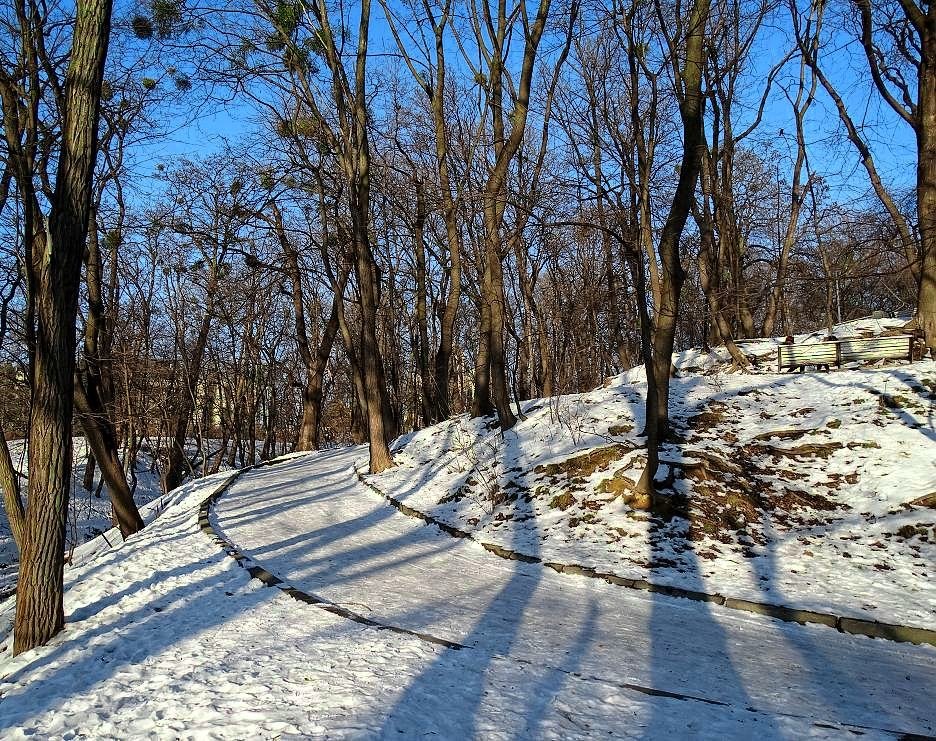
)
(53, 265)
(690, 35)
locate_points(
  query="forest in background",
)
(442, 208)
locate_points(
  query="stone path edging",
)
(853, 626)
(270, 580)
(257, 571)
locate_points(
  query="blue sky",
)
(829, 153)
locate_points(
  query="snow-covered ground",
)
(807, 490)
(89, 512)
(167, 637)
(311, 523)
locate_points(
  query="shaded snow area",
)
(812, 490)
(89, 511)
(167, 637)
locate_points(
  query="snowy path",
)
(310, 522)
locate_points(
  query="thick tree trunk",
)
(372, 372)
(500, 389)
(441, 409)
(495, 201)
(309, 428)
(708, 279)
(442, 406)
(92, 395)
(547, 374)
(39, 610)
(375, 388)
(312, 394)
(87, 480)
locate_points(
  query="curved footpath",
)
(313, 525)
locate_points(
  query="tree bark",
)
(99, 432)
(494, 204)
(926, 183)
(658, 363)
(39, 610)
(92, 392)
(178, 432)
(428, 393)
(12, 496)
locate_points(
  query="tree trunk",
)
(99, 433)
(39, 610)
(926, 184)
(92, 396)
(309, 428)
(87, 480)
(375, 389)
(427, 387)
(441, 405)
(312, 394)
(186, 403)
(708, 279)
(659, 362)
(500, 390)
(12, 497)
(481, 399)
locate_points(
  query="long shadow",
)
(492, 635)
(838, 686)
(709, 644)
(541, 693)
(178, 612)
(332, 553)
(830, 674)
(172, 615)
(129, 638)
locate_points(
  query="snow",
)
(89, 512)
(166, 636)
(88, 515)
(309, 522)
(825, 531)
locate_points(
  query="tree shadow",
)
(845, 688)
(89, 653)
(492, 635)
(872, 691)
(710, 654)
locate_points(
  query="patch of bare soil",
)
(580, 466)
(728, 499)
(711, 417)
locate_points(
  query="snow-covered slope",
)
(167, 638)
(811, 490)
(89, 512)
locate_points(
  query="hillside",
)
(89, 512)
(794, 489)
(811, 490)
